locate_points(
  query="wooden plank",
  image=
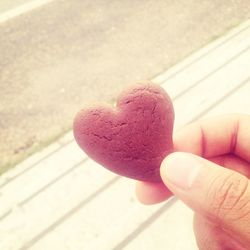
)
(212, 89)
(207, 66)
(172, 231)
(35, 159)
(94, 219)
(54, 204)
(239, 102)
(230, 39)
(45, 173)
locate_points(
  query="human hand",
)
(212, 178)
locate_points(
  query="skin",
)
(222, 145)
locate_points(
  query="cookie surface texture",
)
(133, 138)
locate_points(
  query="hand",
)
(212, 178)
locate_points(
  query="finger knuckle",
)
(227, 195)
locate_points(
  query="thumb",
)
(218, 193)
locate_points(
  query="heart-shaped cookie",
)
(133, 138)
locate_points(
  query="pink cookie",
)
(133, 138)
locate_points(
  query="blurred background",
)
(58, 56)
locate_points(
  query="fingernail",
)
(181, 169)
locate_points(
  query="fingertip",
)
(149, 193)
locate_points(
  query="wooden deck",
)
(60, 199)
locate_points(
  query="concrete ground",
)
(68, 54)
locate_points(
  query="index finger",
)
(216, 136)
